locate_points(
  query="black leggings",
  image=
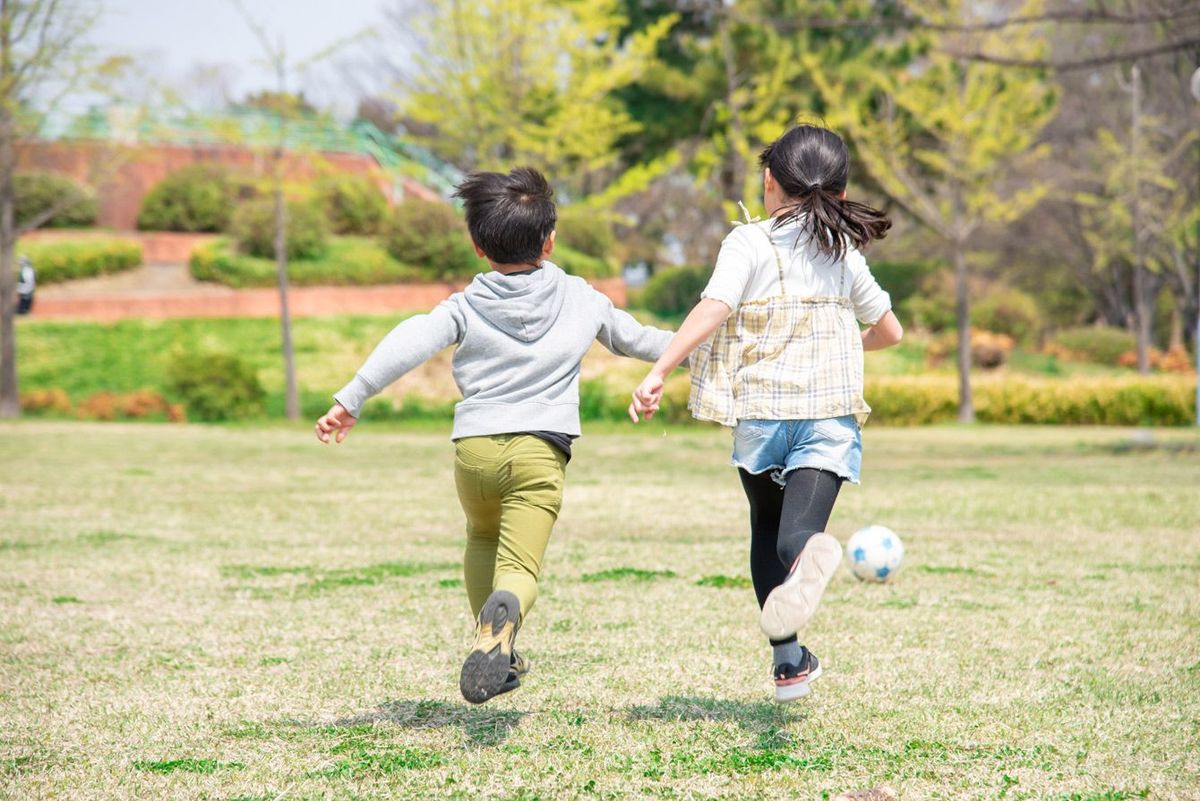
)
(783, 518)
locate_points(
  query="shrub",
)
(1009, 311)
(587, 232)
(988, 349)
(306, 233)
(902, 279)
(348, 261)
(578, 263)
(216, 386)
(1097, 344)
(63, 260)
(46, 400)
(38, 192)
(352, 204)
(674, 291)
(1173, 360)
(433, 238)
(196, 198)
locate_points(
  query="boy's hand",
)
(336, 419)
(647, 397)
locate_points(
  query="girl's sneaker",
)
(792, 681)
(792, 603)
(486, 669)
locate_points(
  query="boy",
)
(521, 331)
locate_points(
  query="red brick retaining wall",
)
(304, 302)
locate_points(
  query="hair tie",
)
(814, 187)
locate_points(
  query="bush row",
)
(920, 400)
(347, 261)
(38, 193)
(144, 404)
(80, 258)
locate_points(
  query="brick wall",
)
(122, 175)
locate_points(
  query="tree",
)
(523, 81)
(41, 58)
(946, 138)
(283, 105)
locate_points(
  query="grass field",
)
(238, 613)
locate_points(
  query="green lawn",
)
(192, 612)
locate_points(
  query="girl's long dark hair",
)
(812, 166)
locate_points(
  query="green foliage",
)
(1106, 401)
(581, 264)
(1098, 344)
(347, 261)
(216, 386)
(537, 92)
(306, 232)
(36, 193)
(675, 290)
(586, 231)
(64, 260)
(353, 204)
(1009, 311)
(433, 238)
(196, 198)
(902, 279)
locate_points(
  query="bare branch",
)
(1079, 64)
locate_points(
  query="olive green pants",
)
(510, 487)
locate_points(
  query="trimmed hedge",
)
(1092, 343)
(216, 386)
(195, 198)
(352, 204)
(588, 233)
(348, 261)
(306, 233)
(433, 238)
(64, 260)
(578, 263)
(673, 292)
(920, 400)
(37, 192)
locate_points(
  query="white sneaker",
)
(792, 603)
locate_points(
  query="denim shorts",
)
(781, 446)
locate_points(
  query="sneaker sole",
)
(485, 671)
(794, 692)
(792, 604)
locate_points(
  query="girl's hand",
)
(647, 397)
(337, 419)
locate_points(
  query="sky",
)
(173, 38)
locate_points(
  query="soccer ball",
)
(875, 553)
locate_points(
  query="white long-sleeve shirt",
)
(746, 270)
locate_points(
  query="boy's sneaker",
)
(518, 666)
(486, 669)
(792, 603)
(792, 681)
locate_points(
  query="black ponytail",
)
(812, 167)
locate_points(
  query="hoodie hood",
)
(522, 306)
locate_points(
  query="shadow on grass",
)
(763, 719)
(481, 726)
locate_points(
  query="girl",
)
(785, 369)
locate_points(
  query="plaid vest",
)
(782, 358)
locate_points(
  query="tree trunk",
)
(962, 310)
(10, 399)
(1141, 304)
(291, 398)
(733, 171)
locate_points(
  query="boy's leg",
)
(531, 497)
(475, 477)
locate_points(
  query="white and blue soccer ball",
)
(875, 553)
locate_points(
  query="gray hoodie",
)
(520, 341)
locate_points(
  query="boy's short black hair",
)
(509, 216)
